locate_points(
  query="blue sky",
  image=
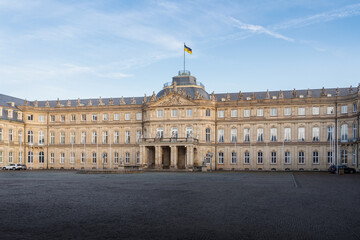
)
(68, 49)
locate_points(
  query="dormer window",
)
(248, 98)
(301, 96)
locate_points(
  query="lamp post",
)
(210, 154)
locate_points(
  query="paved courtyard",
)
(66, 205)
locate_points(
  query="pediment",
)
(173, 99)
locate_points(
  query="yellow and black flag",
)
(186, 48)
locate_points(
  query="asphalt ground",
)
(245, 205)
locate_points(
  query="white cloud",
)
(347, 11)
(258, 29)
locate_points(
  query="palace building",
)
(185, 127)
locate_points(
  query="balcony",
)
(169, 140)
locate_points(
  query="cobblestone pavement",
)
(66, 205)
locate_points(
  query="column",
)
(173, 159)
(189, 157)
(158, 153)
(142, 156)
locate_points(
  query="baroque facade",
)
(184, 127)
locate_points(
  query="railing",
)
(169, 140)
(168, 84)
(184, 72)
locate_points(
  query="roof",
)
(287, 94)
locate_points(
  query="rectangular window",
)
(52, 118)
(301, 157)
(83, 117)
(246, 157)
(301, 134)
(234, 135)
(354, 156)
(273, 134)
(343, 155)
(208, 135)
(287, 111)
(1, 156)
(316, 111)
(52, 138)
(62, 138)
(260, 112)
(246, 112)
(160, 113)
(10, 135)
(233, 113)
(330, 133)
(287, 157)
(174, 113)
(41, 138)
(287, 134)
(221, 158)
(354, 132)
(127, 116)
(354, 107)
(10, 157)
(315, 157)
(330, 110)
(1, 134)
(221, 114)
(72, 137)
(221, 135)
(273, 157)
(316, 134)
(127, 137)
(138, 136)
(62, 157)
(20, 157)
(105, 117)
(62, 118)
(94, 117)
(52, 157)
(301, 111)
(105, 137)
(127, 157)
(83, 137)
(138, 158)
(344, 109)
(259, 157)
(233, 158)
(116, 157)
(273, 112)
(260, 135)
(94, 158)
(116, 116)
(30, 117)
(138, 116)
(72, 157)
(189, 112)
(329, 157)
(73, 117)
(246, 134)
(82, 157)
(94, 138)
(41, 118)
(116, 137)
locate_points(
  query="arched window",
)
(94, 137)
(174, 132)
(189, 132)
(160, 132)
(41, 157)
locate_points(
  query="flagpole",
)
(184, 57)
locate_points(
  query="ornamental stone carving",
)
(323, 93)
(58, 103)
(308, 94)
(294, 93)
(47, 104)
(36, 104)
(145, 99)
(227, 97)
(253, 96)
(122, 101)
(68, 103)
(153, 97)
(90, 102)
(111, 101)
(240, 96)
(281, 95)
(350, 89)
(267, 94)
(172, 100)
(100, 101)
(133, 101)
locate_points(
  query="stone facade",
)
(180, 126)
